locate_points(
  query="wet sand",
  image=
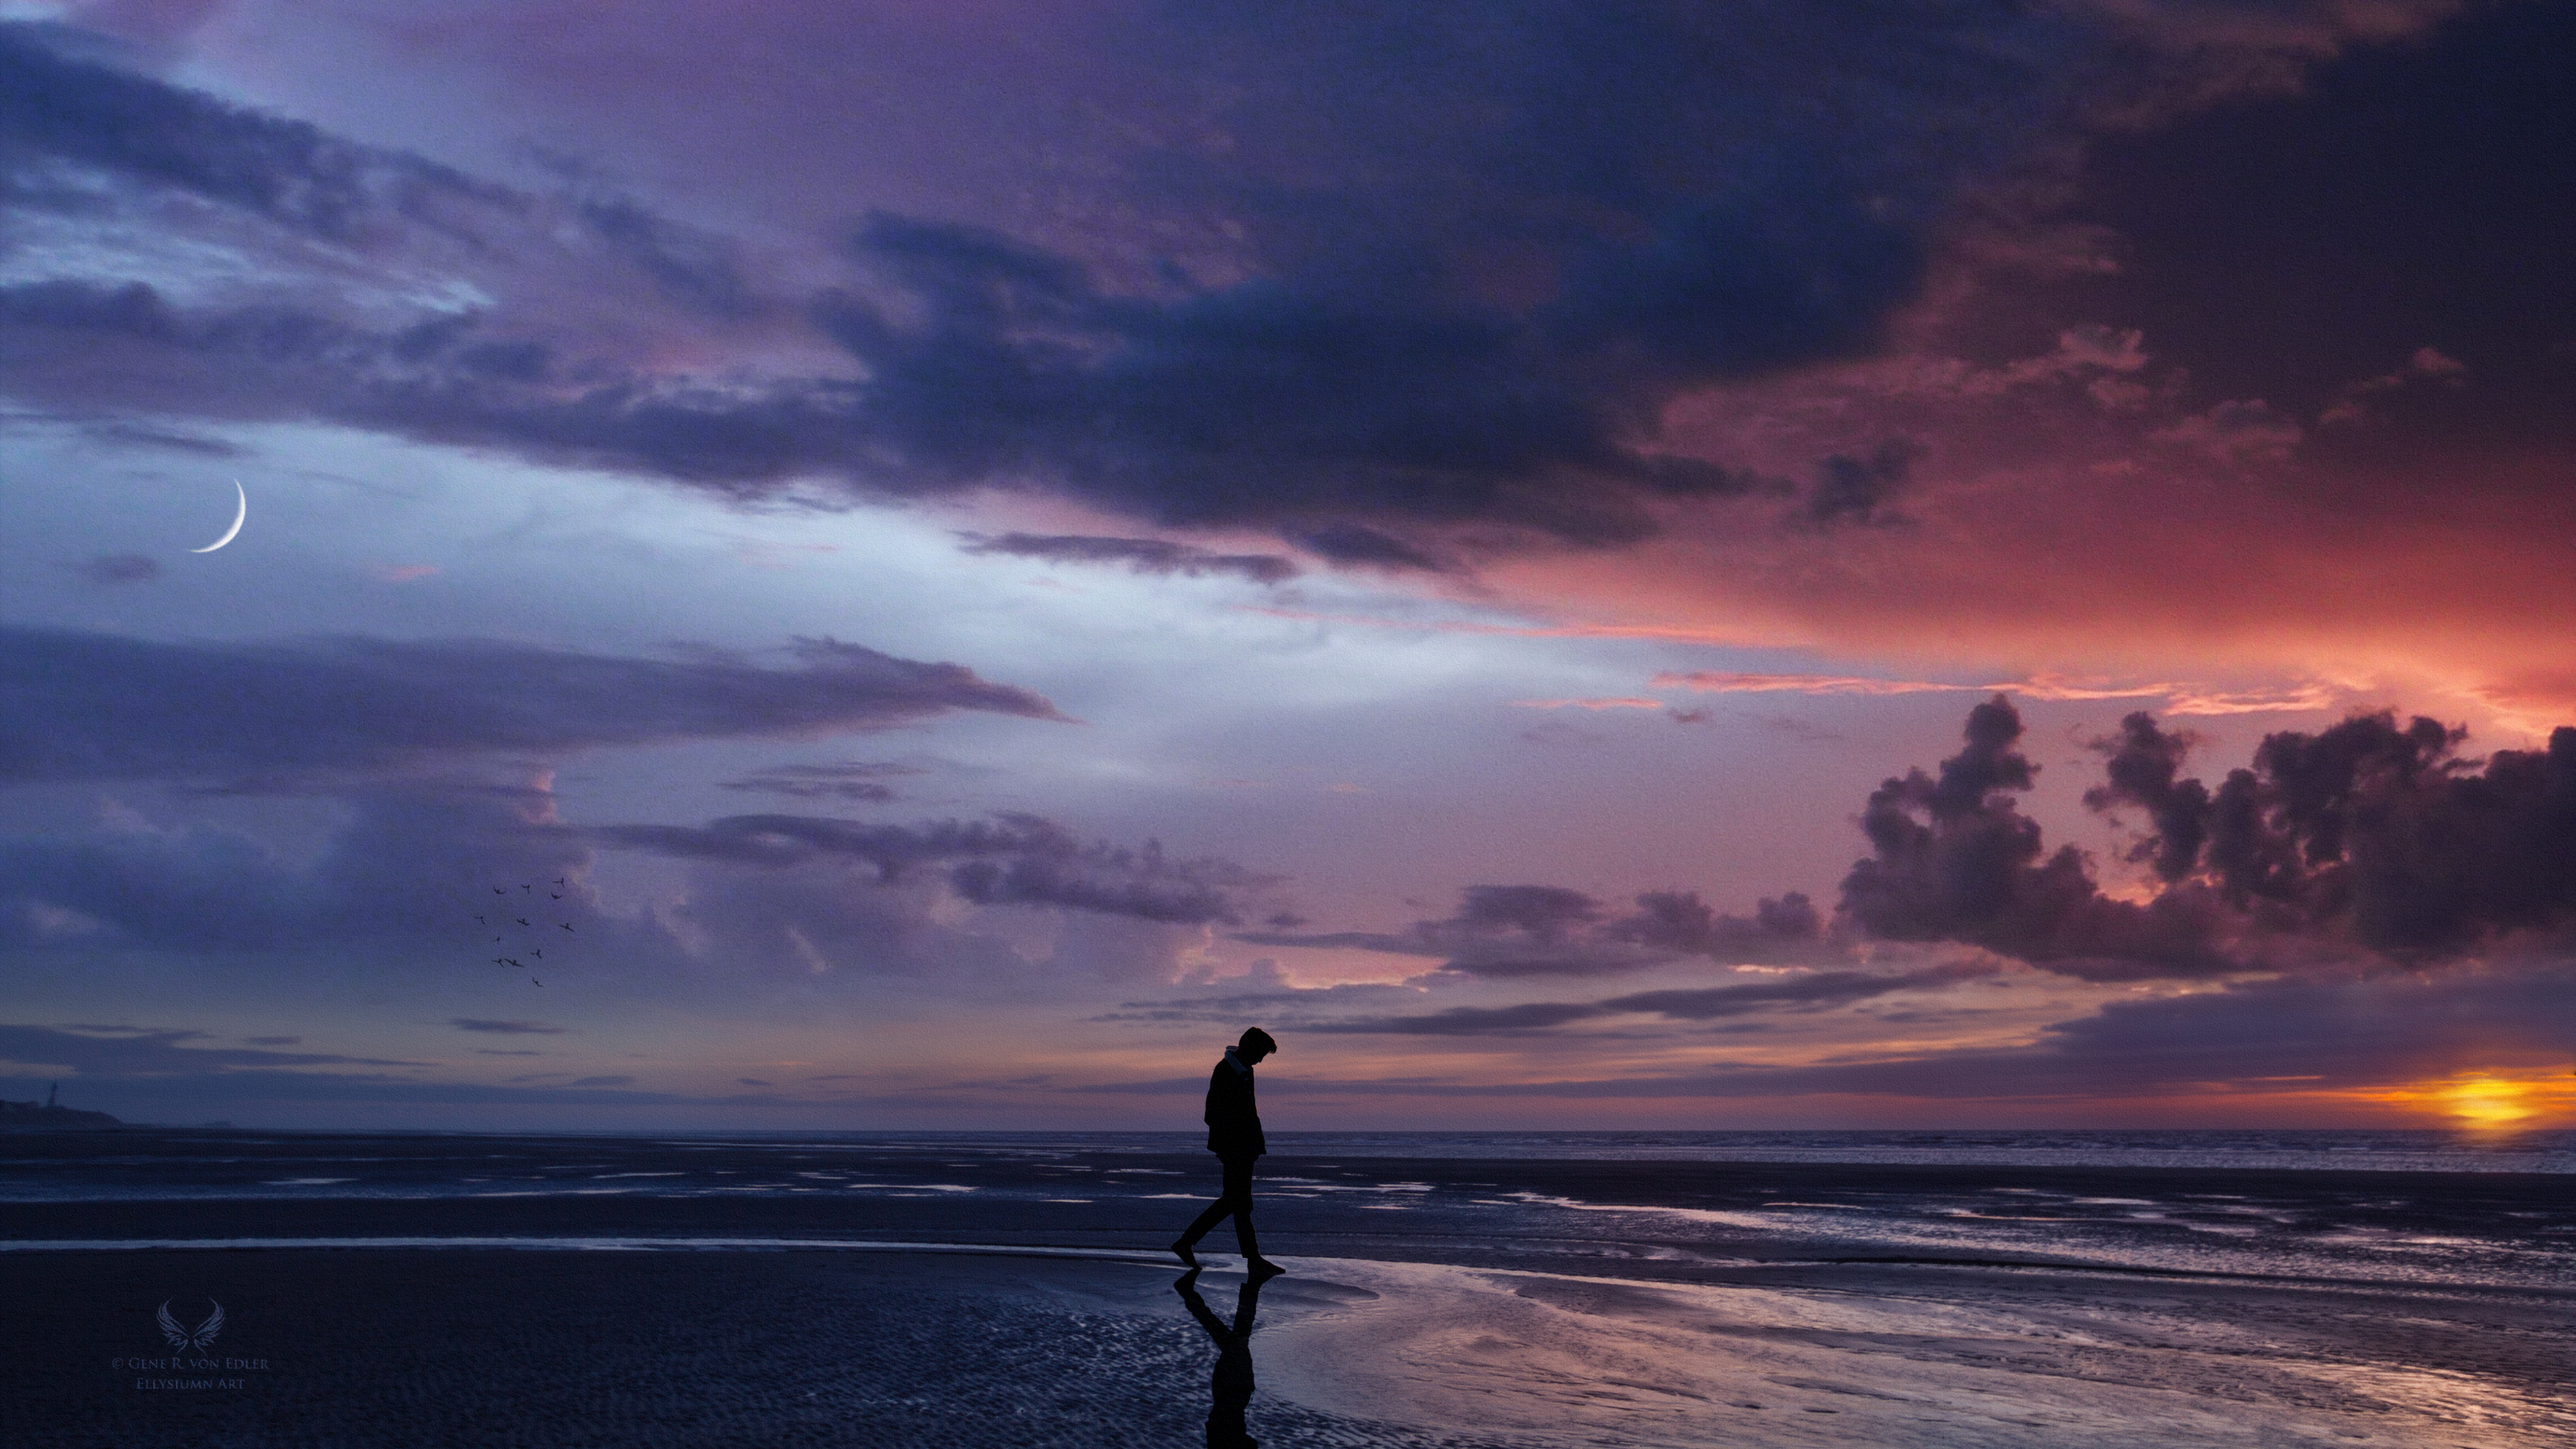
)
(404, 1290)
(368, 1346)
(387, 1347)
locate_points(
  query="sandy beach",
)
(383, 1290)
(548, 1346)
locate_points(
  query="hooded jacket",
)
(1233, 1122)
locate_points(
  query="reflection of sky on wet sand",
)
(1564, 1360)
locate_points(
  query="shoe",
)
(1182, 1252)
(1260, 1270)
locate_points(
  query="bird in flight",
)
(523, 887)
(550, 895)
(500, 961)
(567, 925)
(540, 983)
(496, 890)
(478, 920)
(522, 920)
(559, 880)
(539, 952)
(513, 960)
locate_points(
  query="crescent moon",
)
(239, 513)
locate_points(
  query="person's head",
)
(1254, 1045)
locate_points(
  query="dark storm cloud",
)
(119, 568)
(1010, 860)
(1137, 555)
(1954, 860)
(2385, 835)
(2365, 840)
(2143, 762)
(1353, 390)
(60, 109)
(55, 108)
(1541, 930)
(85, 706)
(2427, 176)
(1478, 253)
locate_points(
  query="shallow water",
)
(2370, 1216)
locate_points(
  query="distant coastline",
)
(24, 1115)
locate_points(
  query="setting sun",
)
(2489, 1101)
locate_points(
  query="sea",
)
(2346, 1206)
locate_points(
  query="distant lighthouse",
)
(49, 1094)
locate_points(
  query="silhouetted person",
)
(1234, 1135)
(1230, 1387)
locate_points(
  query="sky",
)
(1830, 563)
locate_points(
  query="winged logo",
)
(182, 1336)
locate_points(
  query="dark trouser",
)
(1235, 1204)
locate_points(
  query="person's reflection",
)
(1230, 1387)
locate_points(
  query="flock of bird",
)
(505, 920)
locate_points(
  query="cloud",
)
(1953, 860)
(1504, 931)
(143, 1053)
(2142, 762)
(1154, 556)
(2179, 697)
(1808, 991)
(119, 568)
(1143, 884)
(55, 107)
(1342, 389)
(2341, 1034)
(1013, 859)
(1354, 370)
(89, 706)
(1720, 681)
(2367, 840)
(1856, 489)
(409, 865)
(1407, 291)
(1604, 703)
(2384, 835)
(506, 1028)
(850, 780)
